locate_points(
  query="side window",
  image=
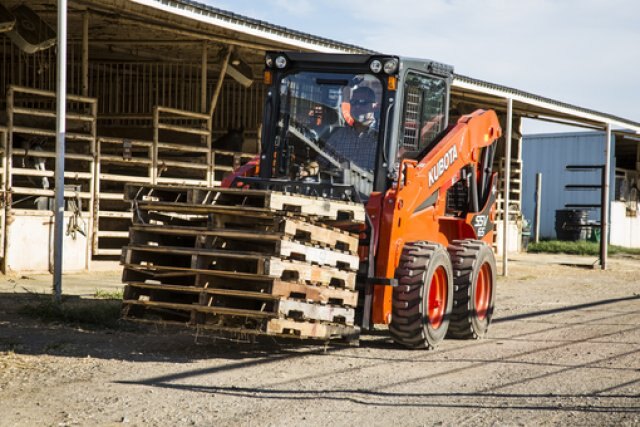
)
(423, 116)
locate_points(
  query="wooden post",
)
(212, 108)
(154, 149)
(85, 53)
(536, 236)
(218, 89)
(94, 188)
(203, 80)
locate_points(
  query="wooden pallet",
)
(151, 298)
(235, 260)
(242, 261)
(290, 271)
(324, 331)
(245, 198)
(299, 310)
(308, 273)
(270, 289)
(316, 294)
(276, 230)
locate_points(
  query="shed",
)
(562, 188)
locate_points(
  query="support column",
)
(536, 235)
(61, 116)
(506, 181)
(604, 212)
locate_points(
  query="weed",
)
(102, 294)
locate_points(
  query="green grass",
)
(102, 314)
(102, 294)
(577, 248)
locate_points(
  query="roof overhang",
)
(537, 107)
(260, 30)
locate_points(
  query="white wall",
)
(625, 230)
(514, 238)
(29, 245)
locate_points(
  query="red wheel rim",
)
(437, 297)
(483, 291)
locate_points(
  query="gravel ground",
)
(564, 350)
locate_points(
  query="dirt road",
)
(564, 349)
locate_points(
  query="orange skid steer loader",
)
(375, 129)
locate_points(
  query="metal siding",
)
(549, 154)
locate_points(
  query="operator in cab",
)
(357, 139)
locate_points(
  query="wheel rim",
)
(437, 297)
(483, 291)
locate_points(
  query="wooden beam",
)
(218, 89)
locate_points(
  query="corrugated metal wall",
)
(549, 154)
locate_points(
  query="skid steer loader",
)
(375, 129)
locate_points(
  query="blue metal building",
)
(550, 154)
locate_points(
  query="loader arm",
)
(415, 209)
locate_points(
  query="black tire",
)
(472, 307)
(410, 322)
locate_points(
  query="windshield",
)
(327, 127)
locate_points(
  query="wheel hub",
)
(483, 291)
(437, 298)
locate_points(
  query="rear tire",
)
(423, 299)
(474, 271)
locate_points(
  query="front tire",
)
(474, 269)
(423, 299)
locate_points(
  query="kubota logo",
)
(443, 164)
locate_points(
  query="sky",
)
(584, 52)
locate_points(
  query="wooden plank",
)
(321, 256)
(107, 252)
(204, 232)
(291, 271)
(279, 290)
(300, 310)
(207, 291)
(317, 294)
(285, 327)
(302, 272)
(315, 206)
(169, 256)
(201, 309)
(167, 271)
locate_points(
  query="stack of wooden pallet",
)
(241, 261)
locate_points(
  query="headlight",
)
(281, 61)
(375, 66)
(269, 61)
(391, 66)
